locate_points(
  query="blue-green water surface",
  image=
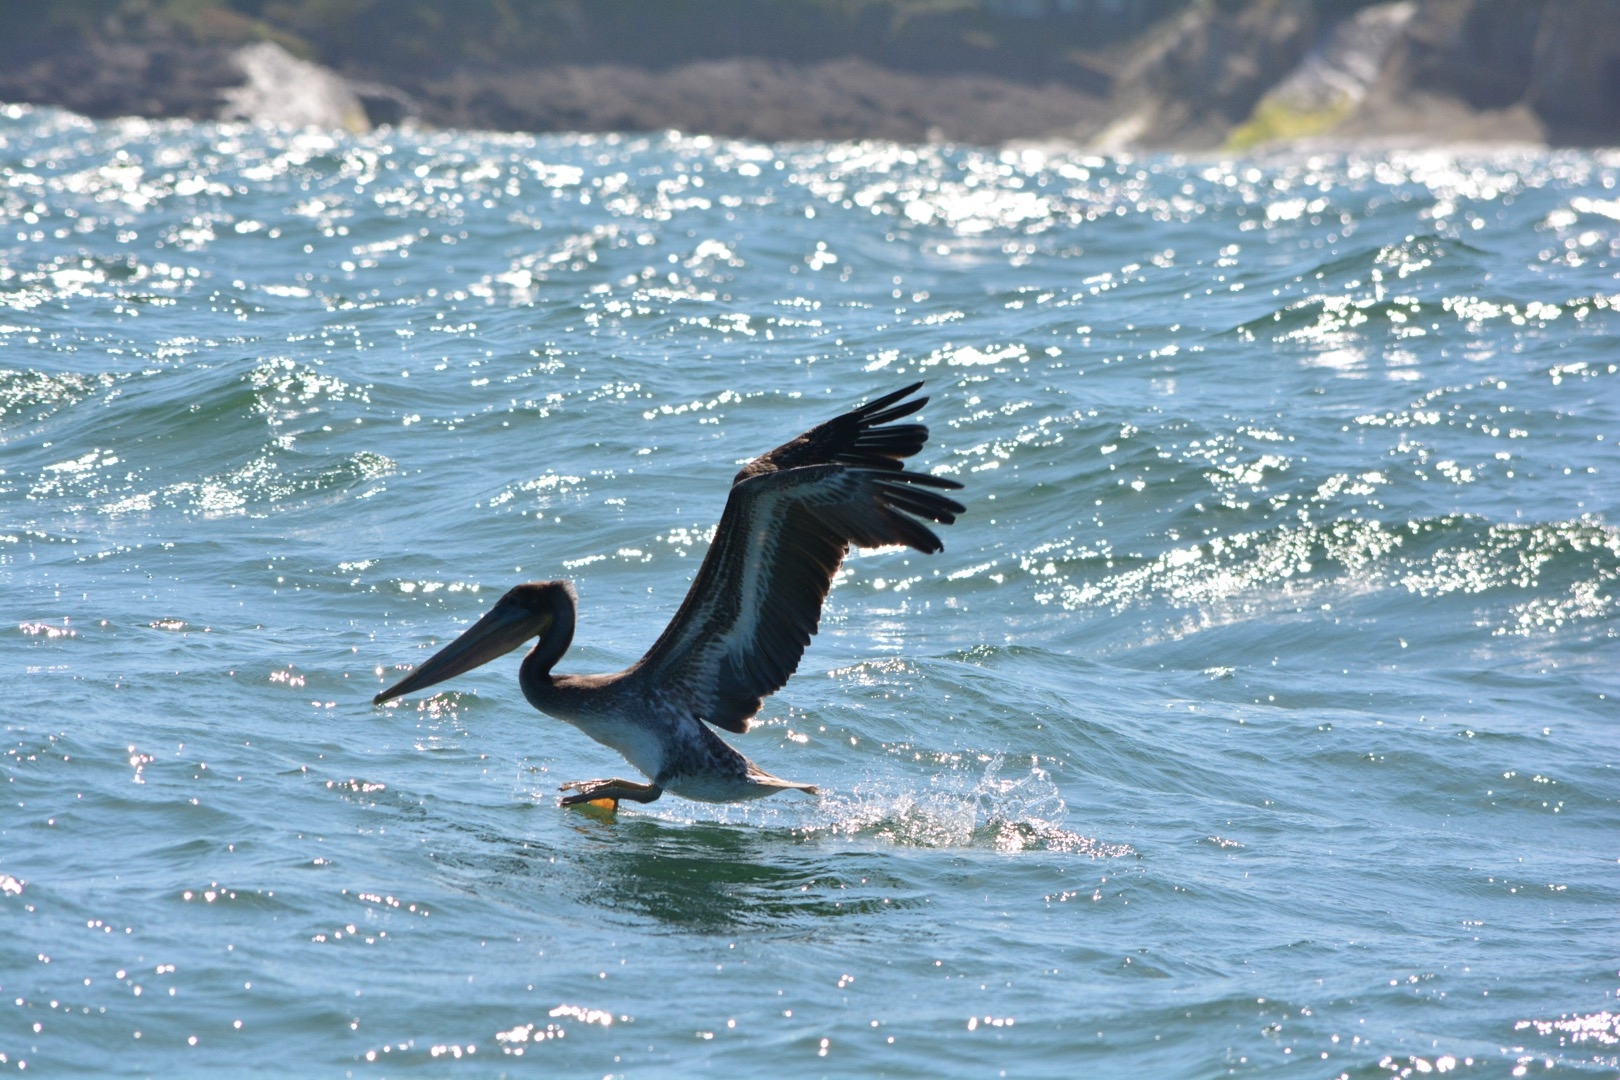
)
(1259, 716)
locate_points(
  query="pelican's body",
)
(657, 735)
(746, 620)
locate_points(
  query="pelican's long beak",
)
(503, 628)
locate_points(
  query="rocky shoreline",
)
(1207, 75)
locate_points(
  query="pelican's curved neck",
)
(535, 674)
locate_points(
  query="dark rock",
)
(386, 104)
(761, 99)
(1542, 70)
(1575, 74)
(120, 78)
(1479, 52)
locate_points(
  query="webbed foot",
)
(590, 791)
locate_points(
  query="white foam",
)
(957, 808)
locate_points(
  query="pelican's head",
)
(525, 612)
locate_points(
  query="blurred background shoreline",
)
(1104, 75)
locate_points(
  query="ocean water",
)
(1259, 716)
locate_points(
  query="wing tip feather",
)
(841, 483)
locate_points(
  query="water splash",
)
(961, 808)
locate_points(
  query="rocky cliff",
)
(1148, 74)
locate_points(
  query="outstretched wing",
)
(792, 515)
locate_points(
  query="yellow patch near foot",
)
(601, 809)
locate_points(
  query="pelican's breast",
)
(613, 714)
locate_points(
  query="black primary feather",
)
(791, 517)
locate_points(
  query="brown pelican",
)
(750, 613)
